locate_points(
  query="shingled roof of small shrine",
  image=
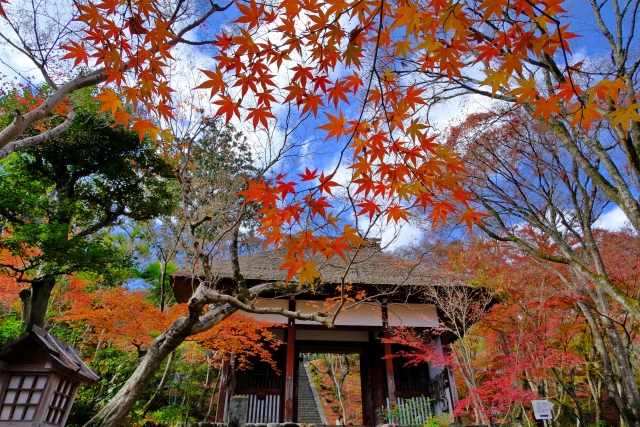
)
(371, 266)
(61, 354)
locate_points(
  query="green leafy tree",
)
(56, 198)
(157, 275)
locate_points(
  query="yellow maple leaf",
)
(624, 115)
(309, 274)
(497, 79)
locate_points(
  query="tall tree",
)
(533, 343)
(55, 198)
(541, 200)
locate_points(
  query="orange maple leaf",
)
(144, 126)
(215, 82)
(110, 101)
(309, 274)
(472, 216)
(623, 116)
(260, 116)
(227, 106)
(336, 127)
(251, 14)
(326, 183)
(77, 51)
(396, 213)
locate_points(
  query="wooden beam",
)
(292, 360)
(388, 362)
(222, 394)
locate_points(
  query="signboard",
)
(542, 409)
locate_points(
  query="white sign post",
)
(542, 410)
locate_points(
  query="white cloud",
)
(612, 220)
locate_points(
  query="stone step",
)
(307, 407)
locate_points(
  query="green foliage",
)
(11, 328)
(170, 414)
(113, 367)
(56, 196)
(152, 275)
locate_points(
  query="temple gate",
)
(358, 329)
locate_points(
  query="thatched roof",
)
(371, 266)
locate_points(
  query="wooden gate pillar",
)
(292, 360)
(366, 385)
(391, 384)
(224, 386)
(377, 378)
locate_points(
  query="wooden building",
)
(392, 286)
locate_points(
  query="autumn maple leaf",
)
(336, 126)
(110, 101)
(77, 51)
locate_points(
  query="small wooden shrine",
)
(393, 298)
(39, 379)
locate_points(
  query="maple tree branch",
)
(194, 43)
(11, 217)
(37, 139)
(603, 27)
(200, 222)
(214, 8)
(205, 294)
(109, 219)
(22, 122)
(632, 29)
(176, 10)
(211, 296)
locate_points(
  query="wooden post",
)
(391, 384)
(377, 378)
(289, 387)
(368, 417)
(238, 410)
(222, 394)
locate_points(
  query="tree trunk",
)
(96, 355)
(621, 357)
(35, 301)
(213, 394)
(25, 297)
(160, 388)
(332, 367)
(607, 366)
(221, 307)
(207, 381)
(163, 289)
(595, 386)
(114, 412)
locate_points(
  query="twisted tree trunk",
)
(112, 414)
(35, 300)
